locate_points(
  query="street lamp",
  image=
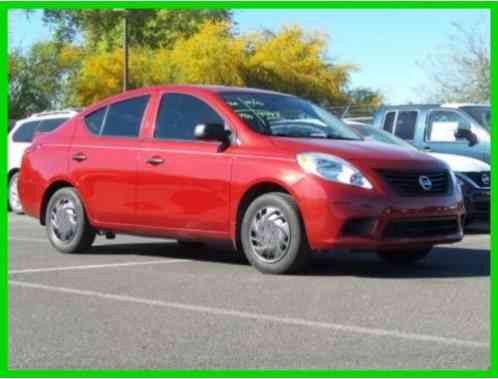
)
(124, 12)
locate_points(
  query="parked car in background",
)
(20, 138)
(474, 176)
(439, 128)
(276, 175)
(481, 113)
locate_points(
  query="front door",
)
(183, 183)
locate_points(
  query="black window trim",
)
(394, 120)
(427, 117)
(226, 123)
(107, 107)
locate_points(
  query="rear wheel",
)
(273, 236)
(67, 225)
(403, 257)
(14, 201)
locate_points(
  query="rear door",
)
(103, 161)
(184, 183)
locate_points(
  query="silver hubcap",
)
(64, 220)
(270, 234)
(15, 203)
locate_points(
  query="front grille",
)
(420, 228)
(407, 183)
(477, 177)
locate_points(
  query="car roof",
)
(410, 106)
(207, 88)
(64, 113)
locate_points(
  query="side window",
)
(179, 114)
(405, 124)
(389, 121)
(125, 117)
(94, 121)
(49, 125)
(25, 132)
(442, 125)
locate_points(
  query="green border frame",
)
(299, 4)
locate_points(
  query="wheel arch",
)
(251, 193)
(51, 189)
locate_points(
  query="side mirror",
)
(466, 133)
(212, 132)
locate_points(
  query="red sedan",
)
(276, 175)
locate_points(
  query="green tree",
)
(35, 80)
(147, 27)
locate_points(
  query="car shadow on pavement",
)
(443, 262)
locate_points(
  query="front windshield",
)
(479, 113)
(286, 116)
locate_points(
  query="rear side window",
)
(405, 125)
(24, 133)
(179, 114)
(389, 121)
(125, 117)
(94, 121)
(49, 125)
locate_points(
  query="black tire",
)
(14, 204)
(402, 257)
(83, 236)
(295, 257)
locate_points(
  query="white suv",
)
(20, 138)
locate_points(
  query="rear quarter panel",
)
(44, 163)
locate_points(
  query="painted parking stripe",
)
(89, 267)
(259, 316)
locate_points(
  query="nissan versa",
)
(276, 175)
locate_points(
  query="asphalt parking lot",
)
(143, 303)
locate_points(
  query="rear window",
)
(94, 121)
(405, 125)
(24, 134)
(51, 124)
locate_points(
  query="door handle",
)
(79, 157)
(427, 148)
(154, 161)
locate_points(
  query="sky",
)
(387, 46)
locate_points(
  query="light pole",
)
(125, 51)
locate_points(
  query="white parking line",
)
(88, 267)
(259, 316)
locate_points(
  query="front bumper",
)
(341, 217)
(477, 204)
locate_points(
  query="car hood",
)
(365, 153)
(459, 163)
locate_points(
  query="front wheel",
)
(401, 257)
(13, 199)
(67, 226)
(273, 236)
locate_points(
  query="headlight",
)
(332, 168)
(457, 182)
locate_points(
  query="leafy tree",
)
(35, 80)
(295, 62)
(147, 27)
(459, 71)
